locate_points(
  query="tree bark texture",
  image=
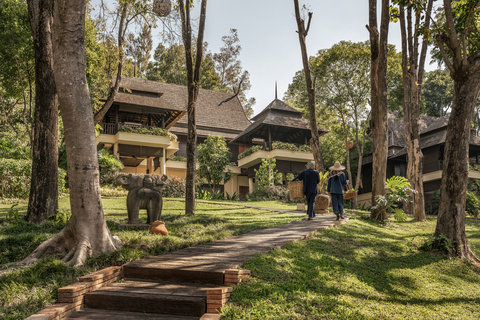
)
(413, 63)
(464, 66)
(43, 198)
(378, 43)
(86, 233)
(193, 87)
(315, 140)
(451, 213)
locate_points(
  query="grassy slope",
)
(360, 271)
(27, 290)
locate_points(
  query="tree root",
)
(70, 249)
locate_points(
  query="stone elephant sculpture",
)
(144, 192)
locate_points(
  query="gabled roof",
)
(218, 110)
(215, 109)
(286, 125)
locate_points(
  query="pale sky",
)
(267, 32)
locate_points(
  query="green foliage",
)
(432, 208)
(213, 158)
(13, 214)
(257, 195)
(62, 217)
(249, 151)
(323, 180)
(14, 146)
(290, 146)
(360, 271)
(473, 204)
(266, 173)
(151, 131)
(399, 215)
(437, 93)
(15, 182)
(398, 191)
(109, 166)
(203, 194)
(279, 193)
(174, 187)
(440, 244)
(232, 197)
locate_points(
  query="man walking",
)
(310, 180)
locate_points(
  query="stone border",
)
(71, 297)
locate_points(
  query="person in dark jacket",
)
(310, 180)
(335, 187)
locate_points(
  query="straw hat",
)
(337, 166)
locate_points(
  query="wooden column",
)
(269, 139)
(163, 163)
(150, 165)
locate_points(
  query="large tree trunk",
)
(43, 199)
(193, 85)
(86, 233)
(451, 213)
(413, 63)
(315, 140)
(379, 43)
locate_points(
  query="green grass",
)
(360, 271)
(24, 291)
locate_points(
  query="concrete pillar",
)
(163, 163)
(150, 165)
(115, 149)
(251, 185)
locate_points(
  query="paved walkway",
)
(232, 252)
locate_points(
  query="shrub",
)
(290, 146)
(112, 191)
(109, 165)
(400, 215)
(266, 173)
(257, 195)
(151, 131)
(174, 188)
(15, 182)
(213, 157)
(249, 151)
(473, 204)
(398, 189)
(277, 193)
(177, 158)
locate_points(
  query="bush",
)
(257, 195)
(174, 188)
(290, 146)
(112, 191)
(473, 204)
(15, 182)
(177, 158)
(400, 215)
(277, 193)
(150, 131)
(109, 165)
(249, 151)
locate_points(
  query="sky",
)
(270, 46)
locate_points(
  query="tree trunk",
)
(193, 85)
(451, 212)
(43, 198)
(86, 233)
(315, 140)
(378, 43)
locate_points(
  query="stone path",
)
(192, 283)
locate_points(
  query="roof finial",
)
(276, 95)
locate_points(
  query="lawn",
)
(23, 291)
(360, 271)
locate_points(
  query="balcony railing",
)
(113, 128)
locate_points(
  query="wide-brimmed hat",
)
(337, 166)
(310, 164)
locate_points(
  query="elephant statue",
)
(144, 192)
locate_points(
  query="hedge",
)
(151, 131)
(15, 181)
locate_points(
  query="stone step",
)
(173, 273)
(150, 297)
(95, 314)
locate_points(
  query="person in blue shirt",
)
(310, 180)
(335, 187)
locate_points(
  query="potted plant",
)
(323, 200)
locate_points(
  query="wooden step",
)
(150, 297)
(95, 314)
(174, 274)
